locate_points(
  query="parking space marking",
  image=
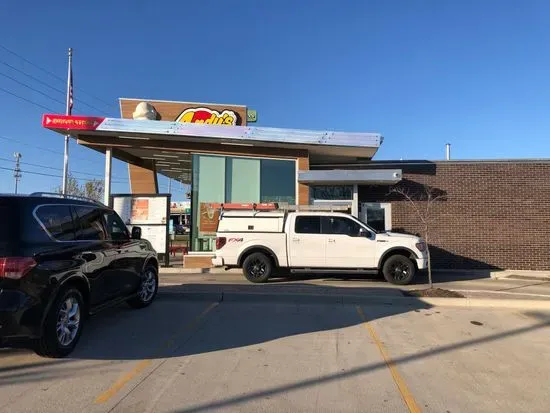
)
(143, 364)
(406, 394)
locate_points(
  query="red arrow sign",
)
(71, 122)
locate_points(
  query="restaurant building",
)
(489, 214)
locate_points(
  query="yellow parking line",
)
(143, 364)
(406, 394)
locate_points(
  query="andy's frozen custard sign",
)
(208, 116)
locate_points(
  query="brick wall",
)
(496, 215)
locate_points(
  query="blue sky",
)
(422, 73)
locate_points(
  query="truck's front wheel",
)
(257, 267)
(398, 269)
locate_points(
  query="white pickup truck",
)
(264, 243)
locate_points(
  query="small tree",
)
(422, 202)
(90, 189)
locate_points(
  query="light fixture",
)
(165, 156)
(236, 143)
(134, 137)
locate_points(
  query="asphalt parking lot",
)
(201, 356)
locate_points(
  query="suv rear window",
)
(91, 224)
(58, 221)
(308, 224)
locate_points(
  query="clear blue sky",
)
(422, 73)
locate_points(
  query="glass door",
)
(377, 215)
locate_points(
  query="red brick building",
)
(495, 214)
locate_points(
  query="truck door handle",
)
(330, 240)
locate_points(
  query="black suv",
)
(62, 259)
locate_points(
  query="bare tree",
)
(90, 189)
(422, 202)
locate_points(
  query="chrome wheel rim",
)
(68, 321)
(400, 271)
(148, 286)
(256, 268)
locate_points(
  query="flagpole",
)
(68, 112)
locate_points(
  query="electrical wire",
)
(58, 169)
(50, 86)
(28, 100)
(46, 149)
(55, 76)
(31, 88)
(56, 176)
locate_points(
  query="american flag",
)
(71, 101)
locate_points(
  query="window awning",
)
(343, 176)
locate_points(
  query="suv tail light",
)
(220, 242)
(16, 267)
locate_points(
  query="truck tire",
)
(398, 269)
(257, 267)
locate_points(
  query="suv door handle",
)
(88, 256)
(296, 239)
(331, 240)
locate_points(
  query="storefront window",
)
(278, 181)
(224, 179)
(332, 192)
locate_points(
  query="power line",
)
(27, 100)
(53, 176)
(54, 75)
(31, 88)
(58, 169)
(50, 86)
(46, 149)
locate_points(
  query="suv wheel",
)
(257, 267)
(63, 325)
(398, 269)
(148, 288)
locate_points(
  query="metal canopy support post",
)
(108, 164)
(355, 201)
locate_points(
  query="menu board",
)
(156, 235)
(147, 212)
(141, 210)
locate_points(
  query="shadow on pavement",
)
(174, 326)
(232, 402)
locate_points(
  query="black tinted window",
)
(91, 225)
(116, 230)
(308, 225)
(58, 221)
(340, 226)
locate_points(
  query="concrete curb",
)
(179, 270)
(534, 275)
(415, 302)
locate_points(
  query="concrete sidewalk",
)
(479, 292)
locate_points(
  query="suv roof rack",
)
(76, 197)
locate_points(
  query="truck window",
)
(307, 225)
(340, 226)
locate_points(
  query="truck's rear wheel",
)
(398, 269)
(257, 267)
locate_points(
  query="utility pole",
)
(17, 171)
(169, 185)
